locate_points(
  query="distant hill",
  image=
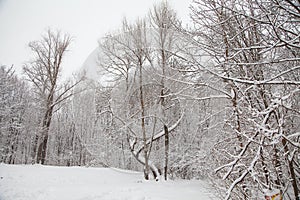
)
(93, 70)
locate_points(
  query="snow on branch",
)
(232, 164)
(246, 172)
(162, 133)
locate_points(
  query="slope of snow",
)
(93, 71)
(90, 65)
(28, 182)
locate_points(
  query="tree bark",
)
(166, 151)
(146, 170)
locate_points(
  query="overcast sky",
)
(22, 21)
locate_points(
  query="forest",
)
(218, 99)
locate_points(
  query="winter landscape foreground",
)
(37, 182)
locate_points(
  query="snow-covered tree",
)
(14, 97)
(44, 72)
(252, 46)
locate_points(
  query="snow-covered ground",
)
(37, 182)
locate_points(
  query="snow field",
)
(37, 182)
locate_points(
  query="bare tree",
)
(44, 72)
(129, 49)
(141, 55)
(140, 50)
(163, 20)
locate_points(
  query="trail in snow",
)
(36, 182)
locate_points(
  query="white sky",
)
(22, 21)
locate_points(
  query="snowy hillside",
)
(37, 182)
(93, 71)
(90, 65)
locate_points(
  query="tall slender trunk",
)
(146, 171)
(166, 151)
(34, 148)
(163, 56)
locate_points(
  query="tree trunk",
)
(166, 151)
(35, 147)
(146, 170)
(42, 150)
(41, 156)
